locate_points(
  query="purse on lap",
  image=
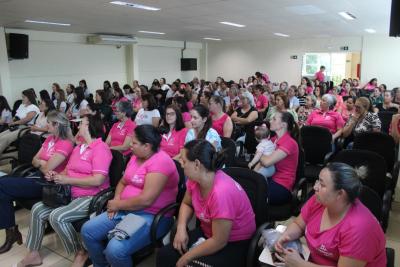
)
(55, 195)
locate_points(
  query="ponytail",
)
(204, 152)
(292, 126)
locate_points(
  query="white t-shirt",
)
(165, 87)
(146, 116)
(70, 99)
(266, 147)
(23, 111)
(41, 122)
(75, 110)
(6, 116)
(63, 105)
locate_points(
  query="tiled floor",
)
(55, 256)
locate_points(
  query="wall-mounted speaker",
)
(188, 64)
(395, 19)
(18, 46)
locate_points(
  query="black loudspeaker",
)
(395, 19)
(188, 63)
(18, 46)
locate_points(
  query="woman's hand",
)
(291, 258)
(181, 241)
(50, 175)
(112, 206)
(183, 261)
(34, 128)
(281, 242)
(60, 179)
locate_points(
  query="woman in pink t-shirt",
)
(120, 136)
(150, 182)
(87, 174)
(52, 155)
(339, 229)
(182, 104)
(285, 157)
(371, 85)
(221, 122)
(118, 97)
(227, 220)
(173, 131)
(260, 100)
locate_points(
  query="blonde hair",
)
(63, 129)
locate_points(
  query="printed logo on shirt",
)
(203, 218)
(322, 249)
(136, 179)
(50, 146)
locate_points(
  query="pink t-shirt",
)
(218, 125)
(346, 113)
(86, 161)
(135, 178)
(309, 90)
(173, 142)
(189, 105)
(330, 120)
(320, 76)
(52, 146)
(119, 132)
(226, 200)
(261, 101)
(186, 117)
(136, 104)
(370, 87)
(358, 235)
(286, 168)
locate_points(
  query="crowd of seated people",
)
(150, 127)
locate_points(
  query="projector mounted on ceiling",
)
(111, 39)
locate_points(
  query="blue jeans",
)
(117, 252)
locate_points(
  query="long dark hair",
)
(204, 152)
(204, 113)
(179, 124)
(96, 126)
(292, 126)
(49, 105)
(80, 95)
(44, 95)
(148, 134)
(4, 104)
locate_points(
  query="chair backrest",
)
(376, 167)
(16, 106)
(256, 189)
(181, 183)
(316, 142)
(229, 147)
(28, 146)
(117, 167)
(372, 201)
(380, 143)
(386, 119)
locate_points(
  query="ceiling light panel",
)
(47, 22)
(149, 32)
(213, 39)
(281, 34)
(347, 15)
(232, 24)
(133, 5)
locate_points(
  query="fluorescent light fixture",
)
(370, 30)
(347, 15)
(281, 34)
(159, 33)
(47, 22)
(121, 3)
(213, 39)
(232, 24)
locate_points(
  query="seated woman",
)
(118, 97)
(348, 109)
(86, 172)
(326, 117)
(285, 157)
(59, 101)
(341, 231)
(78, 108)
(227, 220)
(150, 182)
(363, 119)
(201, 127)
(303, 112)
(25, 116)
(281, 105)
(173, 131)
(387, 104)
(102, 106)
(53, 155)
(261, 101)
(120, 136)
(149, 113)
(181, 103)
(221, 122)
(5, 113)
(41, 125)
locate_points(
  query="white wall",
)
(65, 58)
(160, 58)
(235, 60)
(380, 59)
(5, 83)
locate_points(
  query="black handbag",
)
(55, 195)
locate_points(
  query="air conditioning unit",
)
(111, 39)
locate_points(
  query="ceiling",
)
(193, 20)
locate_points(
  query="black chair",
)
(384, 145)
(375, 177)
(317, 145)
(374, 203)
(386, 119)
(230, 151)
(299, 196)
